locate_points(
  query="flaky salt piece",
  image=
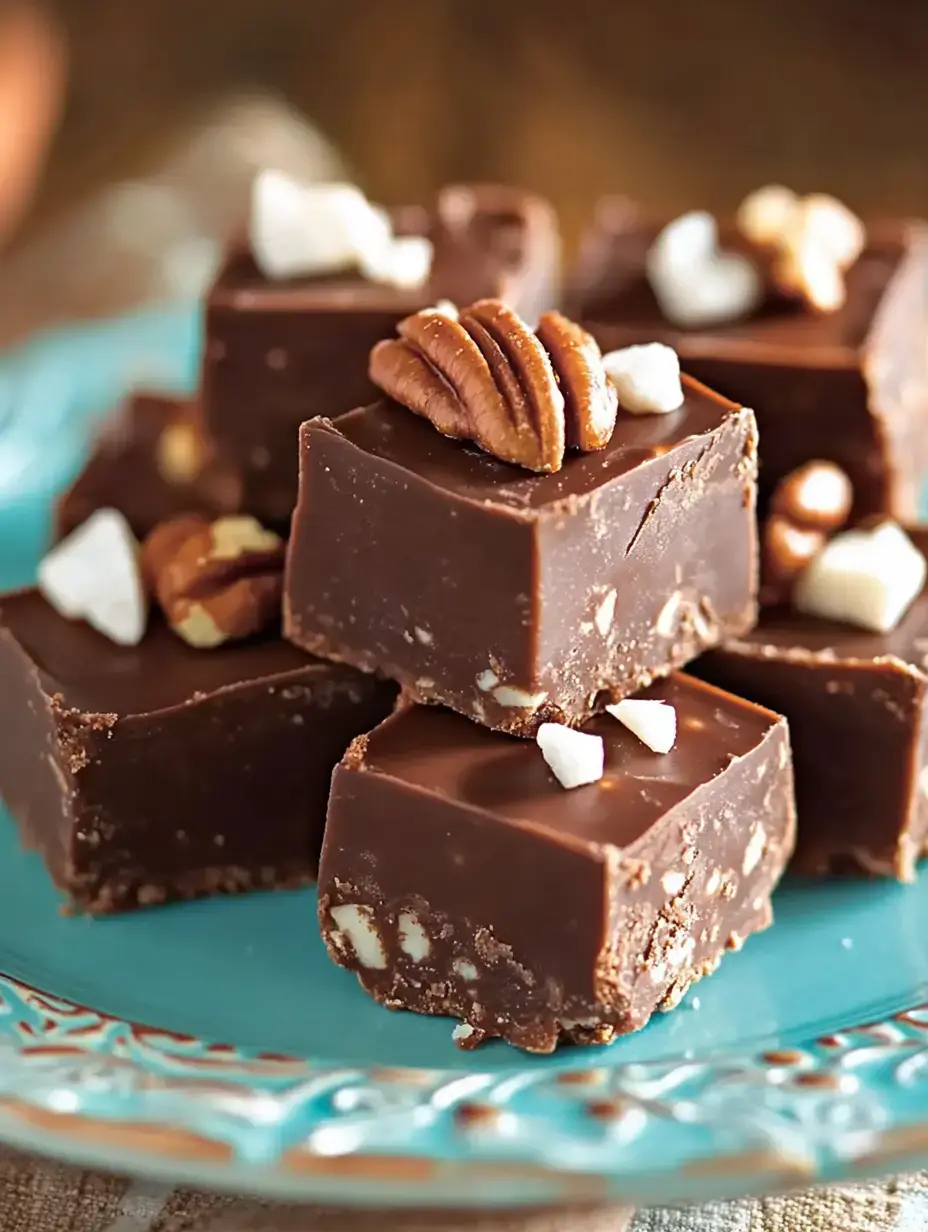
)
(299, 229)
(575, 758)
(865, 577)
(646, 378)
(694, 282)
(653, 722)
(94, 575)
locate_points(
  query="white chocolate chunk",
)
(356, 922)
(688, 242)
(646, 378)
(466, 970)
(605, 613)
(653, 722)
(413, 938)
(94, 575)
(405, 262)
(518, 699)
(864, 577)
(462, 1031)
(304, 229)
(808, 267)
(487, 680)
(694, 282)
(764, 214)
(301, 229)
(575, 758)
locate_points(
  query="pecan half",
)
(590, 401)
(484, 377)
(215, 581)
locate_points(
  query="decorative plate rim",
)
(81, 1085)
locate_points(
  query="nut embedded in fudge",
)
(153, 772)
(279, 351)
(849, 386)
(150, 462)
(459, 877)
(508, 595)
(856, 701)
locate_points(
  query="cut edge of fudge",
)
(122, 818)
(653, 918)
(693, 605)
(856, 702)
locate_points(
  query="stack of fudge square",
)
(399, 602)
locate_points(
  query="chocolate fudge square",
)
(510, 596)
(856, 705)
(849, 386)
(159, 772)
(458, 877)
(279, 352)
(151, 463)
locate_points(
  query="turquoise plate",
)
(213, 1042)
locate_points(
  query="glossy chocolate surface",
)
(280, 352)
(550, 912)
(466, 579)
(160, 771)
(123, 471)
(849, 386)
(855, 702)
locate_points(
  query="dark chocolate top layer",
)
(619, 292)
(443, 753)
(389, 431)
(789, 632)
(94, 675)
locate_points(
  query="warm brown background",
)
(680, 101)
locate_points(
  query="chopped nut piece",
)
(786, 550)
(817, 495)
(765, 213)
(179, 454)
(356, 923)
(834, 226)
(575, 758)
(820, 240)
(646, 378)
(216, 581)
(807, 506)
(653, 722)
(94, 575)
(808, 270)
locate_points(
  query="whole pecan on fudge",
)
(485, 376)
(215, 581)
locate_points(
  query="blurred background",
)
(141, 121)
